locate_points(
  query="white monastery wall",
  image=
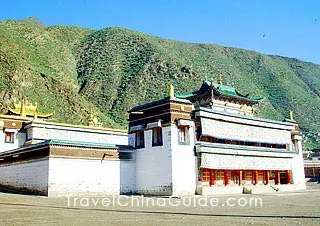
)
(19, 139)
(81, 177)
(298, 176)
(43, 131)
(235, 131)
(234, 108)
(234, 162)
(153, 165)
(31, 175)
(184, 168)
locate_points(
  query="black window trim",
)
(160, 143)
(143, 143)
(5, 138)
(186, 135)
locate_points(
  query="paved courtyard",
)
(299, 208)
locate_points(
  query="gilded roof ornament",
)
(35, 115)
(291, 115)
(92, 120)
(171, 90)
(23, 108)
(220, 79)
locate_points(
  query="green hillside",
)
(69, 69)
(39, 63)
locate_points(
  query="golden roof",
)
(25, 108)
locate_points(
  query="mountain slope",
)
(119, 68)
(70, 69)
(36, 63)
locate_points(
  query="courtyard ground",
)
(298, 208)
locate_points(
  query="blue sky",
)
(288, 28)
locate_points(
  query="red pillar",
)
(288, 177)
(212, 178)
(226, 177)
(267, 175)
(277, 179)
(240, 177)
(255, 176)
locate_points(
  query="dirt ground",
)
(298, 208)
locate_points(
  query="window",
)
(233, 142)
(198, 131)
(140, 139)
(220, 175)
(240, 142)
(183, 135)
(249, 175)
(9, 137)
(205, 138)
(157, 136)
(205, 174)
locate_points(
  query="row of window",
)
(210, 175)
(245, 143)
(157, 139)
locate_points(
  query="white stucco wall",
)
(246, 132)
(298, 176)
(44, 131)
(90, 177)
(169, 169)
(235, 108)
(235, 162)
(153, 165)
(19, 139)
(184, 170)
(32, 175)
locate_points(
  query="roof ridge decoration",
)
(93, 120)
(290, 117)
(220, 79)
(171, 91)
(25, 108)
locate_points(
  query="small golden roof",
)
(25, 108)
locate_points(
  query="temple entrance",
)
(235, 177)
(283, 178)
(260, 177)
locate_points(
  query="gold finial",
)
(291, 115)
(35, 115)
(220, 79)
(90, 118)
(23, 108)
(171, 90)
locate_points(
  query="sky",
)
(278, 27)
